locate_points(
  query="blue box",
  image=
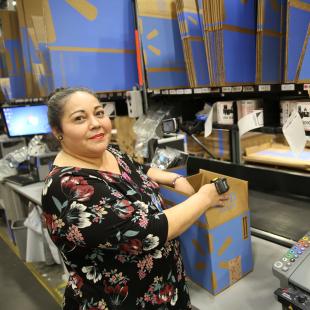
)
(217, 249)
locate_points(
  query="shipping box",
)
(217, 249)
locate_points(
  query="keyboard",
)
(21, 179)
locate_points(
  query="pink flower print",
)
(74, 234)
(77, 187)
(126, 177)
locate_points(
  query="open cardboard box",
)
(217, 249)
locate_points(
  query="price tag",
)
(172, 92)
(286, 87)
(264, 87)
(236, 89)
(180, 91)
(248, 89)
(165, 92)
(156, 91)
(215, 90)
(187, 91)
(119, 94)
(149, 90)
(226, 89)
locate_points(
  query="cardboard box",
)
(217, 249)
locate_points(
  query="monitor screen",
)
(26, 120)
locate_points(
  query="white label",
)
(165, 92)
(264, 87)
(286, 87)
(205, 90)
(119, 94)
(187, 91)
(180, 91)
(248, 89)
(156, 91)
(251, 121)
(236, 89)
(226, 89)
(294, 133)
(149, 90)
(215, 90)
(197, 90)
(172, 92)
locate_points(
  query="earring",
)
(60, 137)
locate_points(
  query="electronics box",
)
(217, 249)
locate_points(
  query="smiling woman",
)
(105, 214)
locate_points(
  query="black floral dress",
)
(111, 232)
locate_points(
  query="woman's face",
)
(86, 129)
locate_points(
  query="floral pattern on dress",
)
(111, 233)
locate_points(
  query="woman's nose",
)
(94, 122)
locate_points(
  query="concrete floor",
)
(19, 289)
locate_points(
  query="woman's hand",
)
(209, 192)
(182, 185)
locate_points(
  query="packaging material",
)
(88, 44)
(225, 113)
(286, 108)
(278, 155)
(217, 249)
(162, 44)
(303, 107)
(255, 139)
(218, 143)
(12, 79)
(245, 107)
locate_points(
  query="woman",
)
(105, 214)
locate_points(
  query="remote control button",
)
(292, 251)
(296, 256)
(299, 252)
(305, 238)
(302, 248)
(288, 264)
(284, 268)
(278, 264)
(285, 259)
(292, 260)
(306, 245)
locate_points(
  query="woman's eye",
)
(79, 118)
(100, 113)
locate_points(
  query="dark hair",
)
(56, 101)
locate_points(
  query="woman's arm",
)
(171, 179)
(183, 215)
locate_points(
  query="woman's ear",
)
(57, 134)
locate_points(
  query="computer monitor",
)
(26, 120)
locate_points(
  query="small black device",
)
(170, 125)
(221, 185)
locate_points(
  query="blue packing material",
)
(100, 43)
(270, 34)
(105, 71)
(164, 59)
(192, 38)
(221, 142)
(200, 63)
(16, 72)
(110, 26)
(297, 30)
(208, 260)
(240, 13)
(271, 59)
(25, 48)
(304, 73)
(239, 57)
